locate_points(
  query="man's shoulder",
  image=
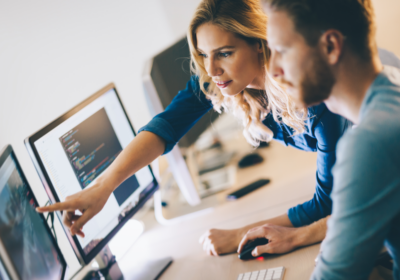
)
(375, 140)
(388, 80)
(356, 141)
(382, 101)
(388, 58)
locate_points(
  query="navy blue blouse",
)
(323, 130)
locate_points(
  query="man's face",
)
(302, 69)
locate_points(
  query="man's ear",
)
(332, 42)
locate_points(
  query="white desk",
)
(292, 175)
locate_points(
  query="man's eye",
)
(225, 54)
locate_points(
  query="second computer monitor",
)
(27, 248)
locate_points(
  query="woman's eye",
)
(203, 55)
(225, 54)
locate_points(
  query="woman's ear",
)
(260, 47)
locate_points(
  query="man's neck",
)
(353, 79)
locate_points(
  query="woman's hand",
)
(280, 239)
(142, 150)
(89, 202)
(217, 241)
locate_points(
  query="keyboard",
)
(265, 274)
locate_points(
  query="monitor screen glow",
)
(79, 148)
(25, 238)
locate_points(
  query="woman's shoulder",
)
(320, 115)
(326, 126)
(195, 84)
(317, 110)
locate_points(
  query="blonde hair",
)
(245, 19)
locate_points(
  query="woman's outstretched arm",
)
(159, 136)
(143, 149)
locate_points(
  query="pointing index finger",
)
(59, 206)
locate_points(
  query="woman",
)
(229, 54)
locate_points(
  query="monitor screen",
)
(26, 240)
(77, 148)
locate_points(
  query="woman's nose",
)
(213, 69)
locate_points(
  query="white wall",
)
(179, 14)
(388, 21)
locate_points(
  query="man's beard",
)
(317, 82)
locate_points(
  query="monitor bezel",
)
(4, 154)
(50, 190)
(6, 271)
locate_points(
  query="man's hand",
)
(217, 241)
(89, 202)
(280, 239)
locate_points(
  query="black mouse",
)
(249, 247)
(250, 160)
(93, 275)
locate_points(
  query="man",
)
(325, 51)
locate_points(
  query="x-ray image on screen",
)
(22, 231)
(91, 147)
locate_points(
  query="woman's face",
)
(231, 62)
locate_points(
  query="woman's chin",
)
(229, 93)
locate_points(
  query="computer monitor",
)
(164, 76)
(168, 72)
(75, 149)
(28, 250)
(4, 275)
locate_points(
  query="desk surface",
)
(292, 175)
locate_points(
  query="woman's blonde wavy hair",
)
(245, 19)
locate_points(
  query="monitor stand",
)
(150, 270)
(113, 263)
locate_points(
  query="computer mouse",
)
(263, 145)
(93, 275)
(249, 247)
(250, 160)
